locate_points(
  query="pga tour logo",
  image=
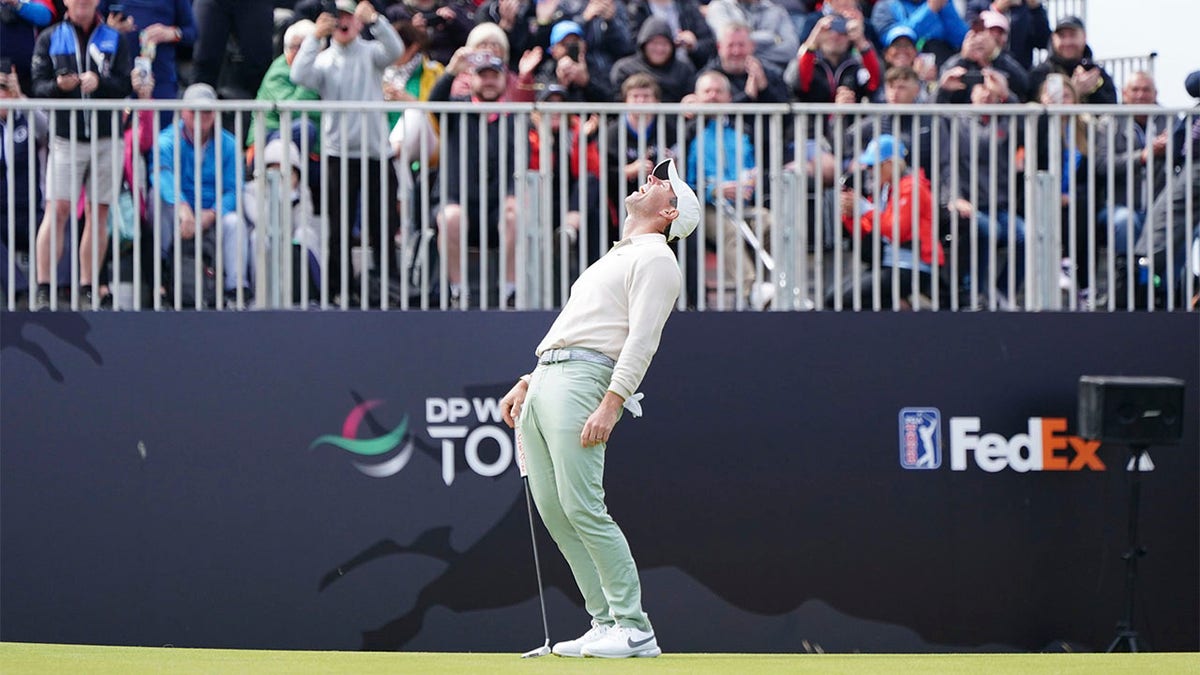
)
(920, 438)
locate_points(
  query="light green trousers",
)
(567, 482)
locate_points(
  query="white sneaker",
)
(761, 295)
(573, 647)
(622, 642)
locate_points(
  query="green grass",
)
(21, 658)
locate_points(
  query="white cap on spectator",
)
(993, 19)
(273, 154)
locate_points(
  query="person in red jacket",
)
(898, 224)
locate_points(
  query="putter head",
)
(544, 650)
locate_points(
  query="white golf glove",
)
(634, 404)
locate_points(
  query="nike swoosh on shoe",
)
(634, 644)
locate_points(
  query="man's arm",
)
(654, 289)
(719, 13)
(41, 68)
(304, 70)
(387, 45)
(229, 184)
(1106, 93)
(35, 13)
(776, 91)
(185, 21)
(779, 43)
(164, 177)
(612, 35)
(1039, 25)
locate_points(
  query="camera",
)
(433, 19)
(142, 66)
(573, 50)
(972, 78)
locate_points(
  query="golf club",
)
(544, 650)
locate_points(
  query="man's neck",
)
(84, 23)
(191, 137)
(635, 226)
(733, 71)
(834, 57)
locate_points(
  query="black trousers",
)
(251, 21)
(367, 221)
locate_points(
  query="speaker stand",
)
(1127, 636)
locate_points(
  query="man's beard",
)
(486, 96)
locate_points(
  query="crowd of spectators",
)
(636, 51)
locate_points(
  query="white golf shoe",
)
(622, 642)
(574, 647)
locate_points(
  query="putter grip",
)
(520, 451)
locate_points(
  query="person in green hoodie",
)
(277, 84)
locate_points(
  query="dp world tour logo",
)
(371, 447)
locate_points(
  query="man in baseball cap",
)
(564, 28)
(1071, 56)
(589, 365)
(1070, 23)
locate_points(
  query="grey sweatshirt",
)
(353, 72)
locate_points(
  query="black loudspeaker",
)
(1131, 410)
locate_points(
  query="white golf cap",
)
(686, 202)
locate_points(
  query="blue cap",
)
(898, 32)
(562, 29)
(882, 149)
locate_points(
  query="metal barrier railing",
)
(1027, 207)
(1057, 9)
(1121, 67)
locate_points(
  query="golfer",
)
(589, 365)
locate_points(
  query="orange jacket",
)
(592, 148)
(887, 218)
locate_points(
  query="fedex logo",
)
(1044, 447)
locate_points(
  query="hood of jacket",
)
(652, 27)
